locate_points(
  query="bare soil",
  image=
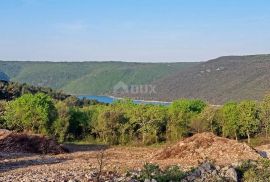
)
(82, 159)
(11, 142)
(207, 146)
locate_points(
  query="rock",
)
(196, 173)
(231, 174)
(191, 178)
(208, 146)
(120, 179)
(225, 168)
(207, 167)
(147, 180)
(71, 180)
(214, 173)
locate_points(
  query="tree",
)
(152, 123)
(61, 125)
(204, 121)
(34, 113)
(230, 125)
(110, 121)
(180, 114)
(78, 123)
(2, 111)
(265, 114)
(248, 117)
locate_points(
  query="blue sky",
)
(132, 30)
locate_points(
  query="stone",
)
(231, 174)
(207, 166)
(214, 173)
(191, 178)
(196, 173)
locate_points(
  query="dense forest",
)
(217, 81)
(124, 122)
(12, 90)
(87, 78)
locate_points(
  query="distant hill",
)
(86, 78)
(3, 76)
(12, 90)
(218, 80)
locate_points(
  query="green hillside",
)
(87, 77)
(217, 81)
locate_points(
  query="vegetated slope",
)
(219, 80)
(87, 77)
(3, 76)
(13, 90)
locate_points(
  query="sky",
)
(132, 30)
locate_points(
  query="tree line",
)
(124, 122)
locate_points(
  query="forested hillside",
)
(87, 77)
(12, 90)
(218, 80)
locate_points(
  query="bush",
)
(251, 171)
(34, 113)
(153, 171)
(61, 124)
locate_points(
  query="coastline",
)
(121, 98)
(138, 100)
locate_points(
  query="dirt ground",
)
(77, 164)
(83, 159)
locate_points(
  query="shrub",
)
(251, 171)
(34, 113)
(153, 171)
(61, 124)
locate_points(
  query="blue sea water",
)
(109, 100)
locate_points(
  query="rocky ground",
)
(82, 163)
(207, 146)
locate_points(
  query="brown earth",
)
(207, 146)
(82, 159)
(11, 142)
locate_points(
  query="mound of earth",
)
(207, 146)
(12, 142)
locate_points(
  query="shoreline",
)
(135, 100)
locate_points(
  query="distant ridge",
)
(3, 76)
(87, 78)
(218, 80)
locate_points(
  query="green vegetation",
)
(35, 113)
(251, 171)
(67, 118)
(153, 171)
(13, 90)
(124, 122)
(229, 78)
(85, 78)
